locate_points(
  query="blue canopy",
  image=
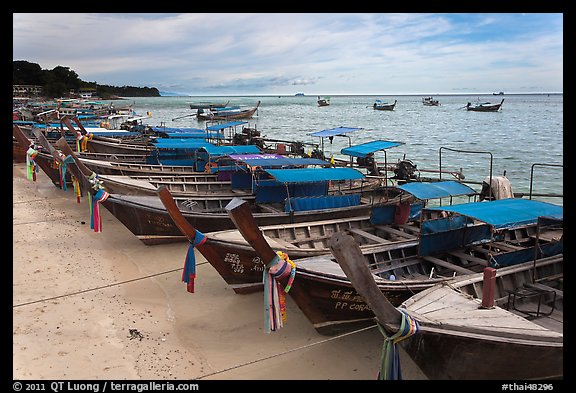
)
(185, 130)
(335, 131)
(186, 143)
(230, 149)
(219, 127)
(506, 213)
(441, 189)
(305, 175)
(194, 135)
(364, 149)
(275, 160)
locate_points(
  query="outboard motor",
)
(501, 188)
(405, 170)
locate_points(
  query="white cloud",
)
(272, 53)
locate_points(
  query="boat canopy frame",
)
(330, 133)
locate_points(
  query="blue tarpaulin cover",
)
(179, 130)
(218, 127)
(227, 150)
(187, 143)
(334, 131)
(275, 160)
(506, 213)
(304, 175)
(321, 202)
(194, 135)
(442, 189)
(364, 149)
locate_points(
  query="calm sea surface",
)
(528, 130)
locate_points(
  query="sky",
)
(219, 54)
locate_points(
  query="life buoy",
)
(208, 167)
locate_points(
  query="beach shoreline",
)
(104, 306)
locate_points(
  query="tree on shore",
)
(59, 81)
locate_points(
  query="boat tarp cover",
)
(320, 202)
(386, 214)
(186, 143)
(364, 149)
(275, 160)
(335, 131)
(227, 150)
(194, 135)
(506, 213)
(441, 189)
(178, 130)
(218, 127)
(305, 175)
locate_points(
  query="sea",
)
(524, 140)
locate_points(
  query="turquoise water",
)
(528, 130)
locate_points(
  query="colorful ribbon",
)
(189, 273)
(390, 357)
(31, 166)
(274, 294)
(82, 141)
(95, 220)
(62, 169)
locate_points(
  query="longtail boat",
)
(387, 225)
(272, 203)
(499, 324)
(448, 247)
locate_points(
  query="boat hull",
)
(152, 224)
(463, 357)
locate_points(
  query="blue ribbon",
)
(190, 263)
(65, 161)
(390, 358)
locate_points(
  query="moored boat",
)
(323, 101)
(227, 113)
(498, 324)
(485, 107)
(450, 245)
(384, 106)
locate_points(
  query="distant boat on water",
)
(323, 101)
(299, 94)
(500, 93)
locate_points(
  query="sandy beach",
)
(104, 306)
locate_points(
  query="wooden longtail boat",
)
(384, 106)
(31, 133)
(328, 299)
(130, 169)
(485, 107)
(45, 161)
(225, 166)
(241, 266)
(227, 113)
(325, 101)
(504, 324)
(148, 219)
(187, 185)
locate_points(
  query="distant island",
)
(63, 82)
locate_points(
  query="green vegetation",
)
(59, 81)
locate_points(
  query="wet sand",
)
(77, 294)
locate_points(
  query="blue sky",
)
(313, 53)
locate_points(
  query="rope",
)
(115, 284)
(285, 352)
(390, 358)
